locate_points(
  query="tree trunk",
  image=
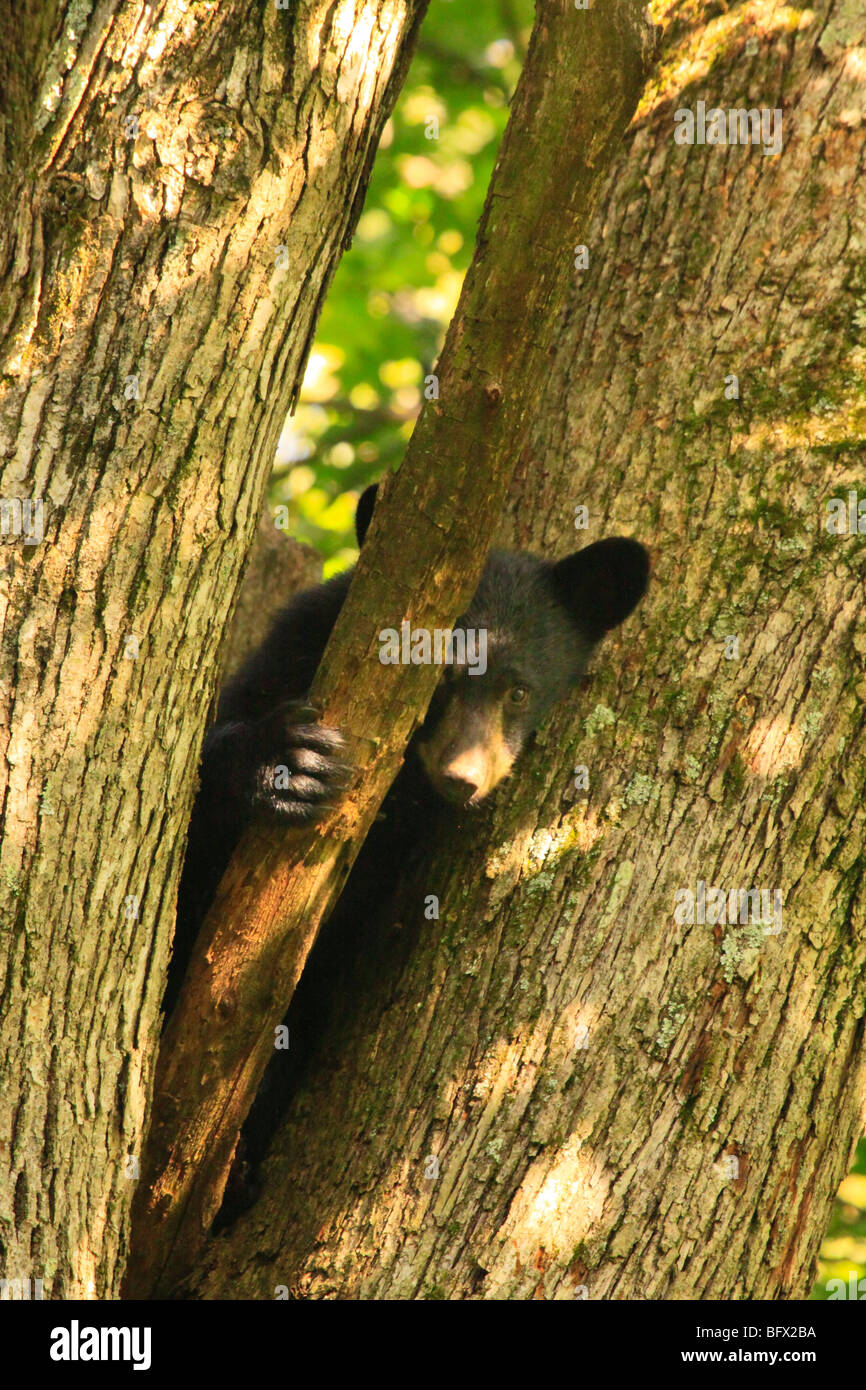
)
(561, 1088)
(278, 888)
(168, 233)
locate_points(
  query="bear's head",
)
(523, 642)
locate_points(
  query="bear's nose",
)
(457, 787)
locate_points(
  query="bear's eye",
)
(518, 695)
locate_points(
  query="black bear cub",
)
(266, 754)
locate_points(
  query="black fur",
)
(269, 755)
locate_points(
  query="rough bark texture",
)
(278, 888)
(178, 182)
(620, 1106)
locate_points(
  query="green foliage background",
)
(385, 318)
(397, 287)
(844, 1250)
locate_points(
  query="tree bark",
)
(178, 183)
(559, 1090)
(278, 889)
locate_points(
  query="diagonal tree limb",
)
(583, 73)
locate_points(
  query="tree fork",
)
(584, 72)
(623, 1106)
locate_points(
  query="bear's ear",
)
(600, 585)
(364, 511)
